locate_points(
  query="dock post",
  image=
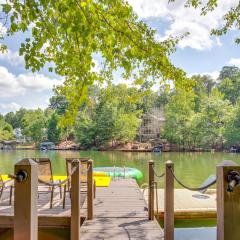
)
(90, 190)
(75, 201)
(169, 202)
(25, 200)
(228, 201)
(150, 190)
(94, 187)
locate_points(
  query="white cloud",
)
(235, 62)
(182, 20)
(12, 58)
(18, 85)
(3, 29)
(9, 107)
(214, 74)
(96, 68)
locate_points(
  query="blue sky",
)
(198, 53)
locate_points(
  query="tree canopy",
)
(6, 131)
(71, 36)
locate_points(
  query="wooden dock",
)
(120, 212)
(55, 217)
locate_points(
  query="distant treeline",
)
(207, 115)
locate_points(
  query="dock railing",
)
(26, 199)
(91, 190)
(228, 198)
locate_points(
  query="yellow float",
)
(101, 178)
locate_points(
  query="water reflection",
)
(195, 234)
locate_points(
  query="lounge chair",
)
(45, 174)
(5, 185)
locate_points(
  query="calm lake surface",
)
(191, 168)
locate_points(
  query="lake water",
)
(191, 168)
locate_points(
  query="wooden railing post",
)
(25, 200)
(90, 190)
(228, 203)
(150, 190)
(75, 201)
(95, 189)
(169, 202)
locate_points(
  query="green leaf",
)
(6, 8)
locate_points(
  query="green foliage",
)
(232, 131)
(197, 120)
(230, 88)
(112, 115)
(58, 103)
(69, 33)
(202, 88)
(177, 114)
(229, 72)
(15, 119)
(34, 123)
(53, 131)
(85, 130)
(6, 131)
(10, 118)
(212, 119)
(126, 126)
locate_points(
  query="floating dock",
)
(187, 204)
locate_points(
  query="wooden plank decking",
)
(57, 217)
(120, 212)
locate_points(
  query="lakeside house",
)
(17, 132)
(151, 124)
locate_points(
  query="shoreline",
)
(119, 150)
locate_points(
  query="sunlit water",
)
(191, 168)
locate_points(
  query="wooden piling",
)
(90, 190)
(150, 190)
(25, 201)
(228, 204)
(75, 202)
(169, 202)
